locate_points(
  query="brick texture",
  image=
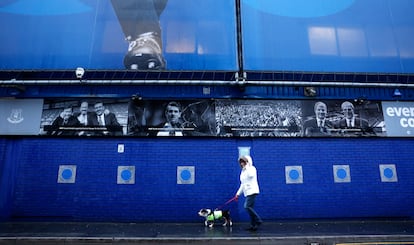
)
(32, 192)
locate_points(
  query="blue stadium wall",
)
(30, 191)
(354, 48)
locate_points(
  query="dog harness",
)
(215, 215)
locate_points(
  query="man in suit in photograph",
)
(83, 115)
(63, 123)
(173, 126)
(351, 124)
(318, 125)
(105, 119)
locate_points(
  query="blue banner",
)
(277, 35)
(118, 34)
(399, 118)
(328, 36)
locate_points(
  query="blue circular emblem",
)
(67, 174)
(185, 175)
(341, 173)
(126, 174)
(294, 174)
(388, 173)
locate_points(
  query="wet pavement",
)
(338, 232)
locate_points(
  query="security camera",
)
(310, 91)
(80, 72)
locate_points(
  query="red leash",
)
(229, 201)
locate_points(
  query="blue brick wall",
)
(34, 192)
(9, 151)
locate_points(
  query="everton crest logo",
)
(15, 116)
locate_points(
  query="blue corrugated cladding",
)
(33, 166)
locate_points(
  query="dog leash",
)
(229, 201)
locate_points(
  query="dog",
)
(212, 216)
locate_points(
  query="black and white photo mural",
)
(84, 117)
(342, 118)
(207, 117)
(171, 118)
(258, 118)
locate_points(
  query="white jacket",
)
(248, 179)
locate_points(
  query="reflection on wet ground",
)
(286, 232)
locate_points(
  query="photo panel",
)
(342, 118)
(84, 117)
(194, 118)
(171, 118)
(258, 118)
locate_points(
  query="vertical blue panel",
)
(64, 34)
(329, 36)
(9, 155)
